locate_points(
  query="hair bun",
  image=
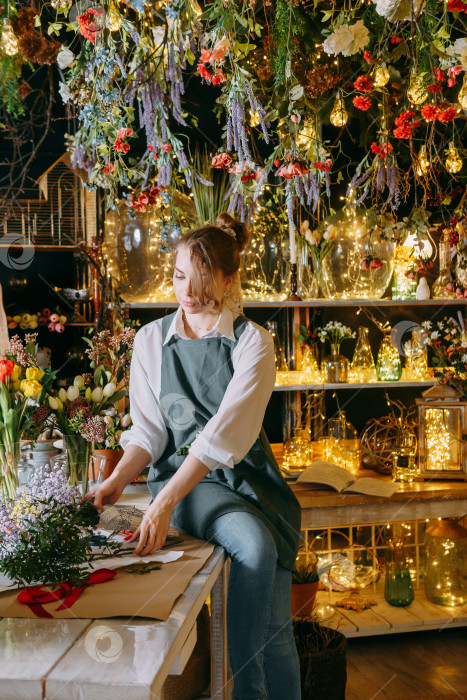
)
(226, 222)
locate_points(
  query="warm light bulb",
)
(338, 116)
(306, 136)
(453, 161)
(113, 20)
(462, 96)
(8, 42)
(381, 77)
(254, 118)
(423, 164)
(417, 92)
(60, 4)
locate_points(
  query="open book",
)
(342, 481)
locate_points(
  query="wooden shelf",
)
(310, 303)
(354, 385)
(43, 248)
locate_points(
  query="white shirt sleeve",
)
(231, 432)
(148, 428)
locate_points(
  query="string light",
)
(417, 92)
(423, 164)
(338, 116)
(113, 20)
(462, 96)
(8, 42)
(60, 4)
(254, 118)
(438, 440)
(453, 161)
(381, 77)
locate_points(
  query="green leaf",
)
(37, 21)
(326, 16)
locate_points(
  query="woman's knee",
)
(245, 537)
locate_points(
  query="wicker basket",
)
(323, 664)
(196, 675)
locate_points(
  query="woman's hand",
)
(153, 530)
(106, 493)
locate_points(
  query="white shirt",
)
(231, 432)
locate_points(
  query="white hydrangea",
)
(398, 10)
(65, 92)
(459, 50)
(65, 57)
(347, 39)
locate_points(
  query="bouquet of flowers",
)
(45, 533)
(115, 424)
(23, 385)
(335, 332)
(448, 339)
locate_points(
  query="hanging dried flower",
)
(32, 44)
(318, 80)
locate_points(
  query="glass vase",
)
(307, 284)
(446, 563)
(398, 588)
(335, 366)
(282, 368)
(388, 364)
(362, 368)
(78, 451)
(445, 254)
(10, 454)
(403, 287)
(309, 370)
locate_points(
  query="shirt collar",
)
(224, 325)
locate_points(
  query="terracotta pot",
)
(303, 598)
(112, 459)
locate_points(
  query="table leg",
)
(221, 675)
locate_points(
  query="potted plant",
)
(323, 664)
(305, 584)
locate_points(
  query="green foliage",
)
(280, 56)
(305, 573)
(10, 78)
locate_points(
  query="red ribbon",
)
(35, 596)
(130, 534)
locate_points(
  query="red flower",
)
(167, 147)
(218, 77)
(375, 264)
(430, 112)
(402, 132)
(221, 160)
(381, 151)
(120, 147)
(109, 168)
(454, 71)
(204, 73)
(434, 88)
(456, 6)
(288, 171)
(6, 368)
(88, 27)
(375, 148)
(143, 198)
(363, 84)
(404, 117)
(451, 82)
(124, 133)
(361, 102)
(205, 55)
(396, 40)
(277, 163)
(448, 115)
(367, 57)
(439, 75)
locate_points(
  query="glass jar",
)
(362, 368)
(398, 588)
(446, 563)
(403, 286)
(388, 364)
(307, 282)
(439, 290)
(335, 366)
(404, 467)
(282, 368)
(309, 370)
(341, 273)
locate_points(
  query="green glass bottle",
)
(398, 588)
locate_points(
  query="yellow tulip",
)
(53, 403)
(88, 393)
(30, 388)
(16, 373)
(62, 394)
(34, 373)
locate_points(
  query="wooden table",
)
(416, 501)
(115, 658)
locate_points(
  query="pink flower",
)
(124, 133)
(221, 160)
(294, 118)
(454, 71)
(219, 51)
(167, 147)
(218, 77)
(288, 171)
(205, 56)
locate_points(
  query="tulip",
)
(79, 381)
(126, 420)
(34, 373)
(88, 393)
(16, 385)
(96, 394)
(60, 405)
(72, 393)
(26, 318)
(108, 420)
(33, 325)
(108, 374)
(53, 403)
(16, 373)
(109, 389)
(63, 395)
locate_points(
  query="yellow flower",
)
(16, 373)
(34, 373)
(24, 506)
(30, 388)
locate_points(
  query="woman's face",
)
(182, 276)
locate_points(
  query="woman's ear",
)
(228, 282)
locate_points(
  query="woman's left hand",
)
(153, 530)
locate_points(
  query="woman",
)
(200, 382)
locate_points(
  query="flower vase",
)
(398, 588)
(78, 451)
(335, 366)
(9, 458)
(309, 370)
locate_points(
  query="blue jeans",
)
(262, 650)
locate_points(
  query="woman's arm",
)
(153, 530)
(134, 460)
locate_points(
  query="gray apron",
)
(195, 374)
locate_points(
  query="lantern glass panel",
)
(443, 436)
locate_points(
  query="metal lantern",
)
(442, 433)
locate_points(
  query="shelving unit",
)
(353, 385)
(311, 303)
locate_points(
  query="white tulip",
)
(72, 393)
(108, 374)
(109, 389)
(96, 395)
(125, 421)
(53, 403)
(108, 420)
(65, 57)
(62, 395)
(79, 381)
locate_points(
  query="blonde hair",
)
(214, 248)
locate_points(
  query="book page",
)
(373, 487)
(321, 472)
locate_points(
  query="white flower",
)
(108, 420)
(62, 395)
(72, 393)
(96, 394)
(109, 389)
(64, 91)
(65, 57)
(53, 403)
(434, 335)
(464, 357)
(125, 421)
(426, 325)
(347, 39)
(398, 10)
(79, 381)
(112, 411)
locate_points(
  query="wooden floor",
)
(414, 665)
